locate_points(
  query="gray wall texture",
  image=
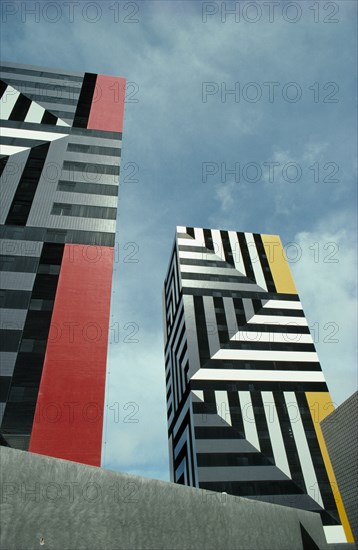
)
(56, 504)
(340, 431)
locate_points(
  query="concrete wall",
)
(57, 504)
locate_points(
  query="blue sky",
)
(181, 133)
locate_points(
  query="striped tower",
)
(60, 153)
(245, 389)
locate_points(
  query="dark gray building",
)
(340, 431)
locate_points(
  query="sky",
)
(240, 121)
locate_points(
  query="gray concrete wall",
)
(55, 504)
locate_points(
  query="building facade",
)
(340, 433)
(60, 152)
(245, 389)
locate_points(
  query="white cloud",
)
(313, 152)
(326, 281)
(225, 195)
(135, 428)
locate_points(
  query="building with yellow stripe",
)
(245, 388)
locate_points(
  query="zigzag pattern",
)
(59, 166)
(21, 107)
(250, 364)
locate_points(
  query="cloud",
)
(135, 427)
(325, 275)
(225, 195)
(314, 152)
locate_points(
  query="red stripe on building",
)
(107, 107)
(69, 412)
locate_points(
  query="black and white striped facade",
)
(243, 379)
(44, 123)
(60, 149)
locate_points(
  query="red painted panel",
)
(108, 104)
(69, 411)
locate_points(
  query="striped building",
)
(60, 152)
(245, 389)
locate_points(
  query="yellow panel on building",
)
(320, 405)
(278, 263)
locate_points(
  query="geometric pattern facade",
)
(60, 149)
(245, 389)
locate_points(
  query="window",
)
(56, 236)
(46, 74)
(30, 345)
(14, 299)
(22, 393)
(22, 233)
(84, 211)
(41, 305)
(94, 149)
(66, 186)
(87, 187)
(49, 269)
(24, 264)
(7, 263)
(91, 168)
(10, 339)
(61, 209)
